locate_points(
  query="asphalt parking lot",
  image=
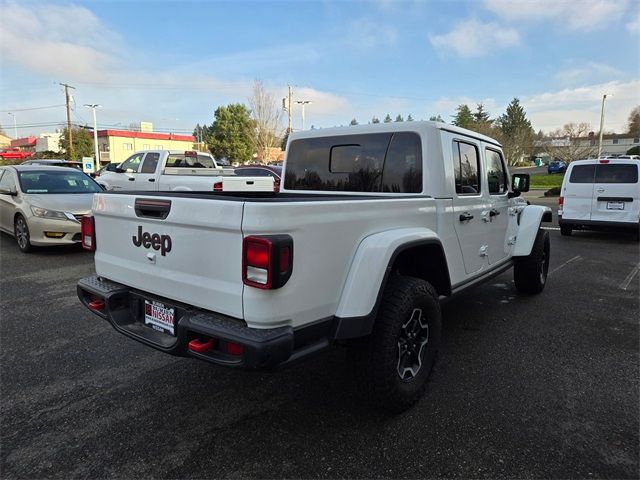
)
(530, 387)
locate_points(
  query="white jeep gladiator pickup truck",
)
(165, 170)
(374, 226)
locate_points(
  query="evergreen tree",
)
(481, 116)
(516, 132)
(375, 120)
(354, 122)
(232, 133)
(399, 118)
(437, 118)
(387, 119)
(409, 118)
(463, 117)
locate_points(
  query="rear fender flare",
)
(368, 274)
(528, 225)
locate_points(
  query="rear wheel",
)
(566, 230)
(396, 360)
(21, 233)
(530, 272)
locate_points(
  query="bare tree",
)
(267, 115)
(571, 142)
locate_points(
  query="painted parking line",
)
(627, 281)
(571, 260)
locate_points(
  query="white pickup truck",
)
(165, 170)
(374, 226)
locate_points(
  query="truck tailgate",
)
(198, 259)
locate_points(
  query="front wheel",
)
(21, 233)
(396, 360)
(530, 272)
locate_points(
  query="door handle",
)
(465, 216)
(600, 190)
(131, 179)
(152, 179)
(493, 212)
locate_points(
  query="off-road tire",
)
(530, 272)
(21, 234)
(566, 230)
(378, 358)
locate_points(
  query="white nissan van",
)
(599, 194)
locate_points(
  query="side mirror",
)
(8, 191)
(519, 183)
(119, 170)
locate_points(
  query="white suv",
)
(600, 194)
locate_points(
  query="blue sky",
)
(173, 63)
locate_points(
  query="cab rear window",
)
(605, 173)
(187, 161)
(377, 162)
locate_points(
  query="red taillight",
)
(217, 187)
(267, 261)
(560, 202)
(604, 161)
(88, 232)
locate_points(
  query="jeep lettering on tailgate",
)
(155, 241)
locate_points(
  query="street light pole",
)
(303, 103)
(93, 107)
(15, 129)
(601, 126)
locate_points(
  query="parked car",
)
(43, 205)
(600, 194)
(556, 167)
(109, 167)
(53, 162)
(262, 171)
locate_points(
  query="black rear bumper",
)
(123, 307)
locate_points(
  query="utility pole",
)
(286, 104)
(69, 133)
(601, 126)
(15, 129)
(303, 103)
(93, 107)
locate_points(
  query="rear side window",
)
(466, 165)
(617, 173)
(380, 162)
(150, 163)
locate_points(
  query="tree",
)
(481, 115)
(399, 118)
(634, 150)
(82, 143)
(387, 119)
(409, 118)
(566, 144)
(434, 118)
(266, 114)
(375, 120)
(463, 117)
(354, 122)
(232, 133)
(634, 122)
(285, 139)
(515, 132)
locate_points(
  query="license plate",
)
(615, 205)
(159, 317)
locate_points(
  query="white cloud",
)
(634, 25)
(586, 71)
(576, 15)
(550, 110)
(471, 38)
(366, 34)
(323, 103)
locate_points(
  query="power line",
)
(32, 108)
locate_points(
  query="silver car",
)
(42, 205)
